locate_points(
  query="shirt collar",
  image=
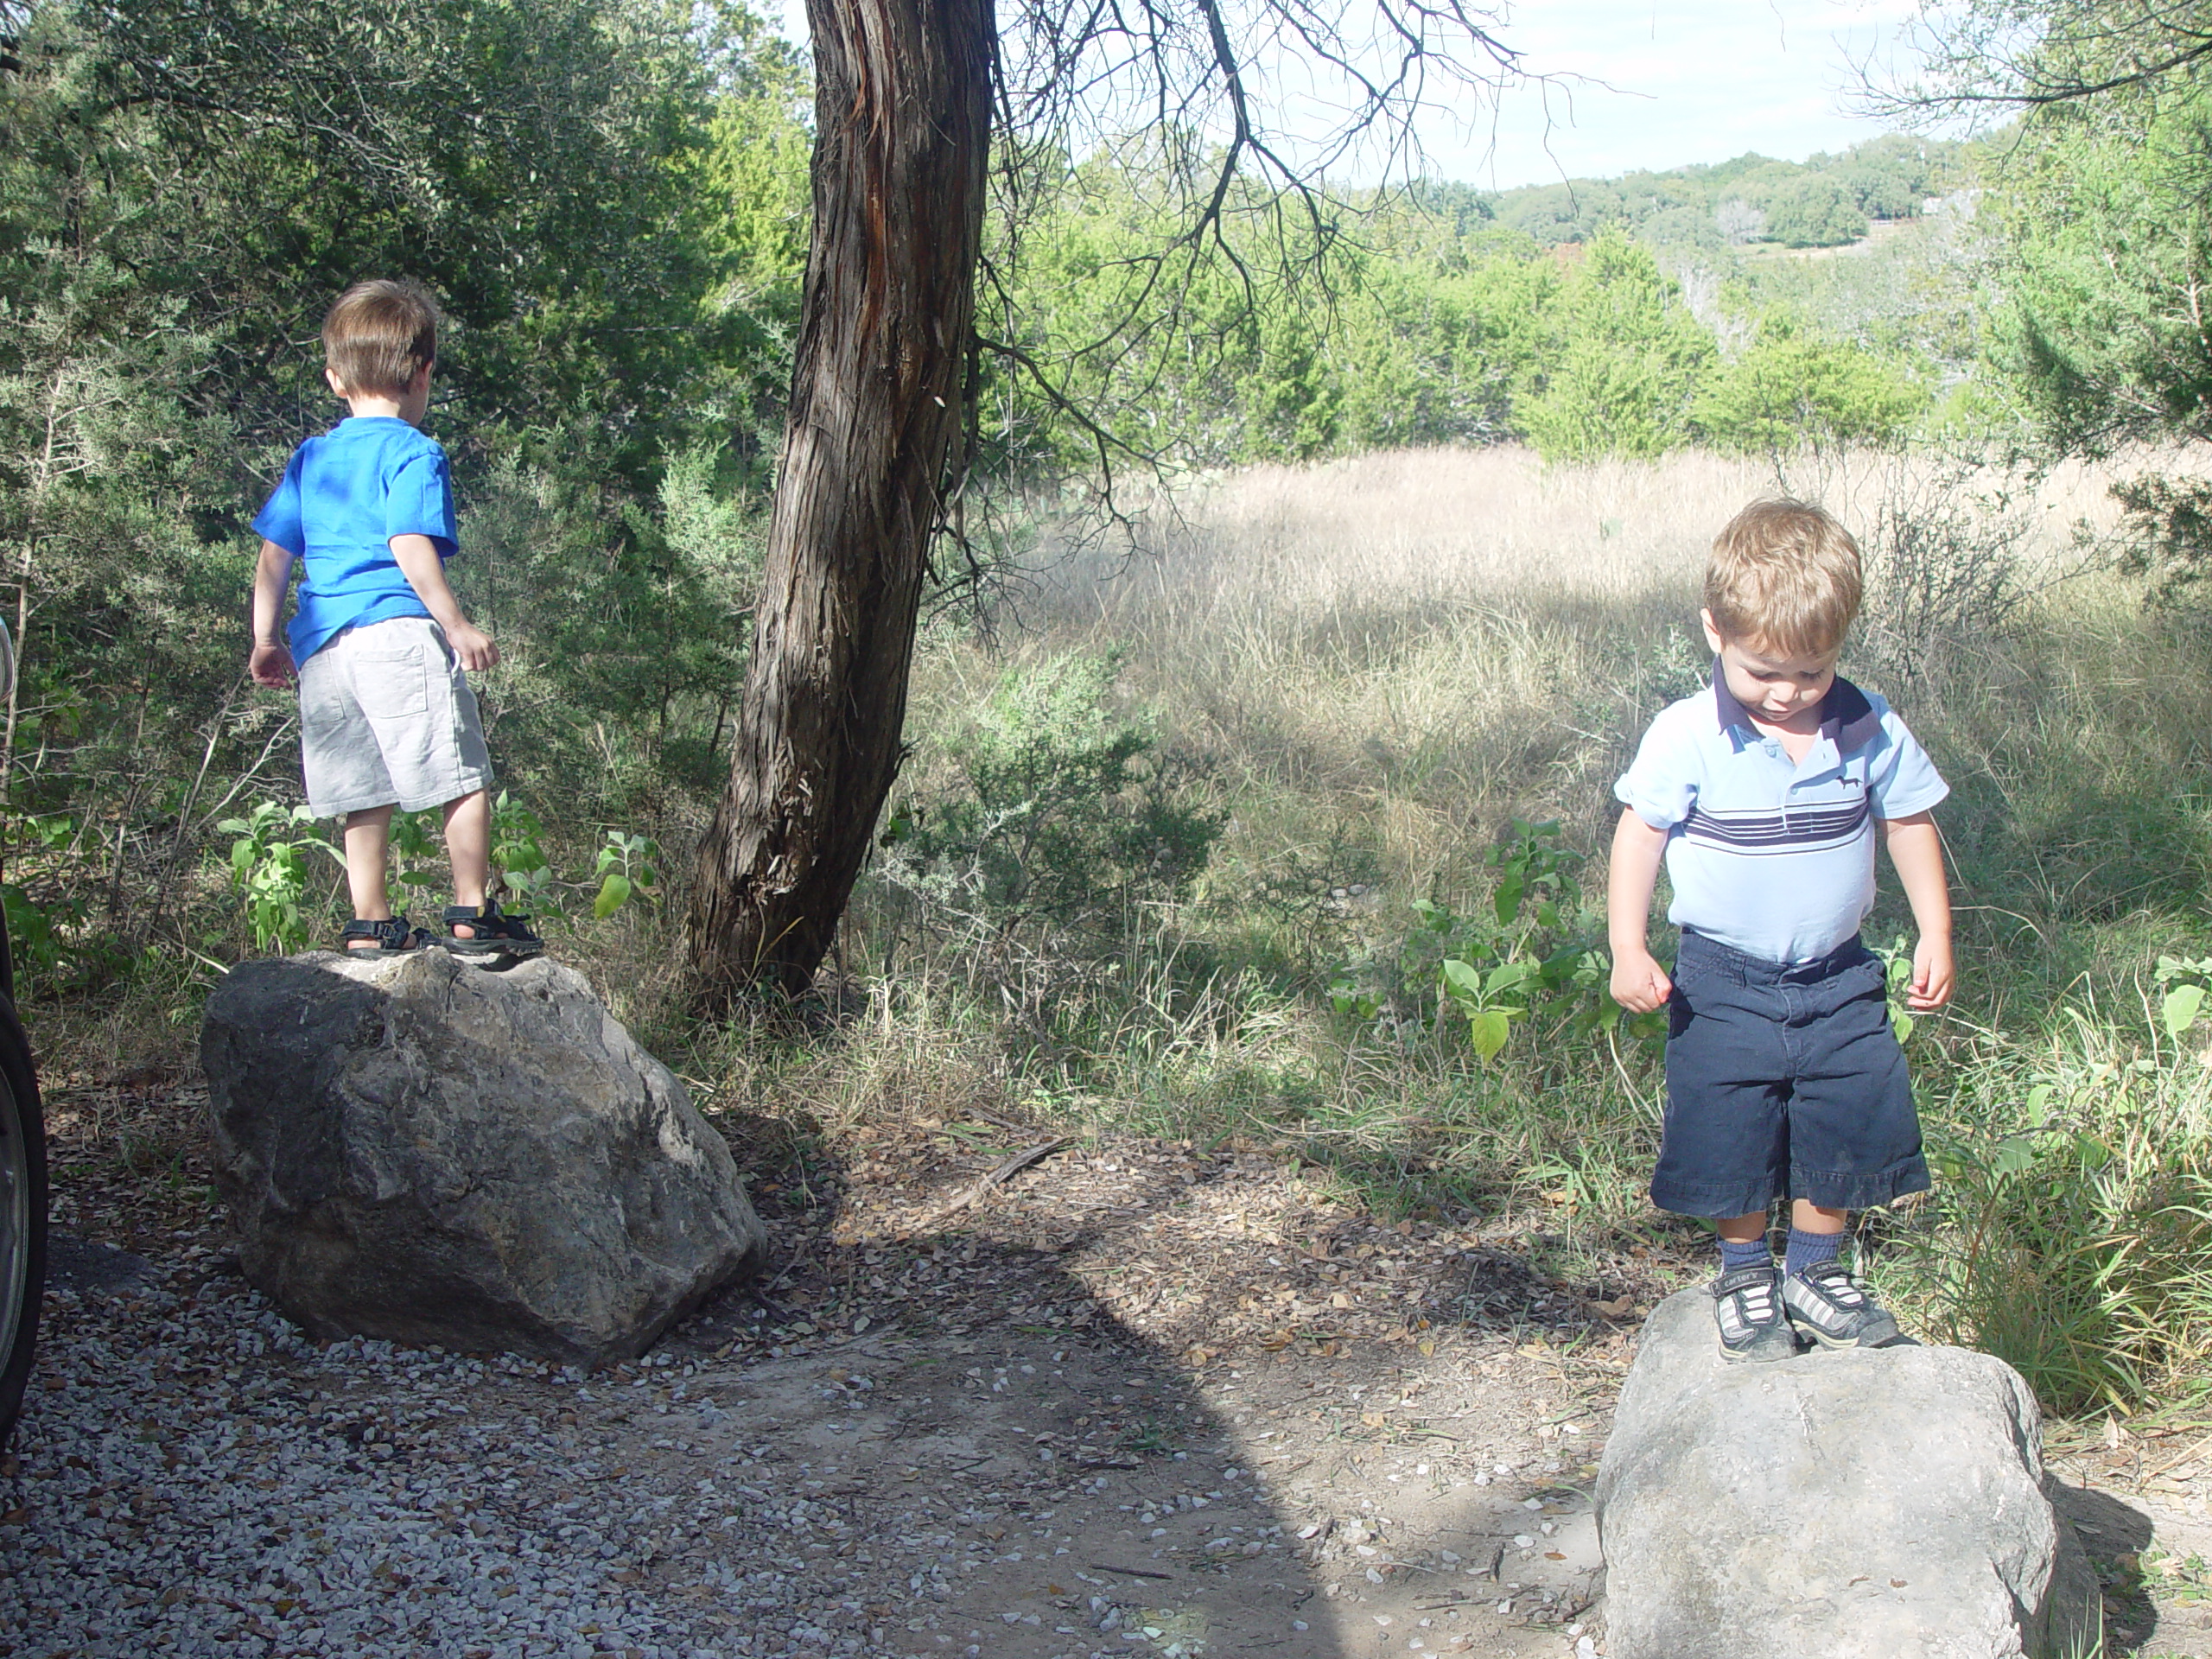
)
(1847, 719)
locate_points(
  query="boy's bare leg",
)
(1744, 1230)
(1808, 1218)
(468, 844)
(368, 840)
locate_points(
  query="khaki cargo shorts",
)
(387, 719)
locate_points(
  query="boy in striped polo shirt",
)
(1761, 795)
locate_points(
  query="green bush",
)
(1532, 953)
(1790, 387)
(1624, 361)
(1813, 213)
(2075, 1248)
(1064, 808)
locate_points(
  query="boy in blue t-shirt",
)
(377, 642)
(1762, 793)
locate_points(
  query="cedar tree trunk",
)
(903, 110)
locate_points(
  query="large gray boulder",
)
(1851, 1504)
(433, 1153)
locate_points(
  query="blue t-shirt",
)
(1771, 856)
(344, 496)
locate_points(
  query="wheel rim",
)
(15, 1219)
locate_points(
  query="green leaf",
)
(1901, 1022)
(2092, 1153)
(2182, 1004)
(2014, 1153)
(613, 893)
(1507, 898)
(1462, 981)
(1507, 974)
(1488, 1031)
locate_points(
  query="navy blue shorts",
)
(1783, 1080)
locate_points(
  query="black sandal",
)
(497, 934)
(394, 937)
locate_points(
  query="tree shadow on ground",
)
(1148, 1398)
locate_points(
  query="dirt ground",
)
(1160, 1399)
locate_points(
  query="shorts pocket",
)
(392, 685)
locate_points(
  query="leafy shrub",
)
(270, 861)
(1623, 363)
(1533, 953)
(1064, 809)
(1790, 387)
(1813, 213)
(2165, 532)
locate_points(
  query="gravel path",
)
(1143, 1401)
(951, 1444)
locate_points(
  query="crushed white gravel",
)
(192, 1477)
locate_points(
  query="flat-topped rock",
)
(437, 1153)
(1855, 1504)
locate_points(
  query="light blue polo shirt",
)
(1773, 857)
(343, 497)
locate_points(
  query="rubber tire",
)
(23, 1155)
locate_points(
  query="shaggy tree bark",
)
(903, 113)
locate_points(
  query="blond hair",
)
(1784, 575)
(379, 334)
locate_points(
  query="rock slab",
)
(433, 1152)
(1849, 1504)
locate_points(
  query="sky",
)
(1672, 82)
(1655, 83)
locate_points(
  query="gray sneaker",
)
(1747, 1306)
(1827, 1304)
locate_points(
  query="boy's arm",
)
(270, 663)
(426, 574)
(1640, 984)
(1918, 851)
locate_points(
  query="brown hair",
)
(379, 334)
(1785, 574)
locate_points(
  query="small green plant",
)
(1534, 953)
(1896, 979)
(35, 931)
(2077, 1205)
(624, 873)
(269, 865)
(1065, 809)
(422, 860)
(518, 854)
(2182, 983)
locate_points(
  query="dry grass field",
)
(1366, 671)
